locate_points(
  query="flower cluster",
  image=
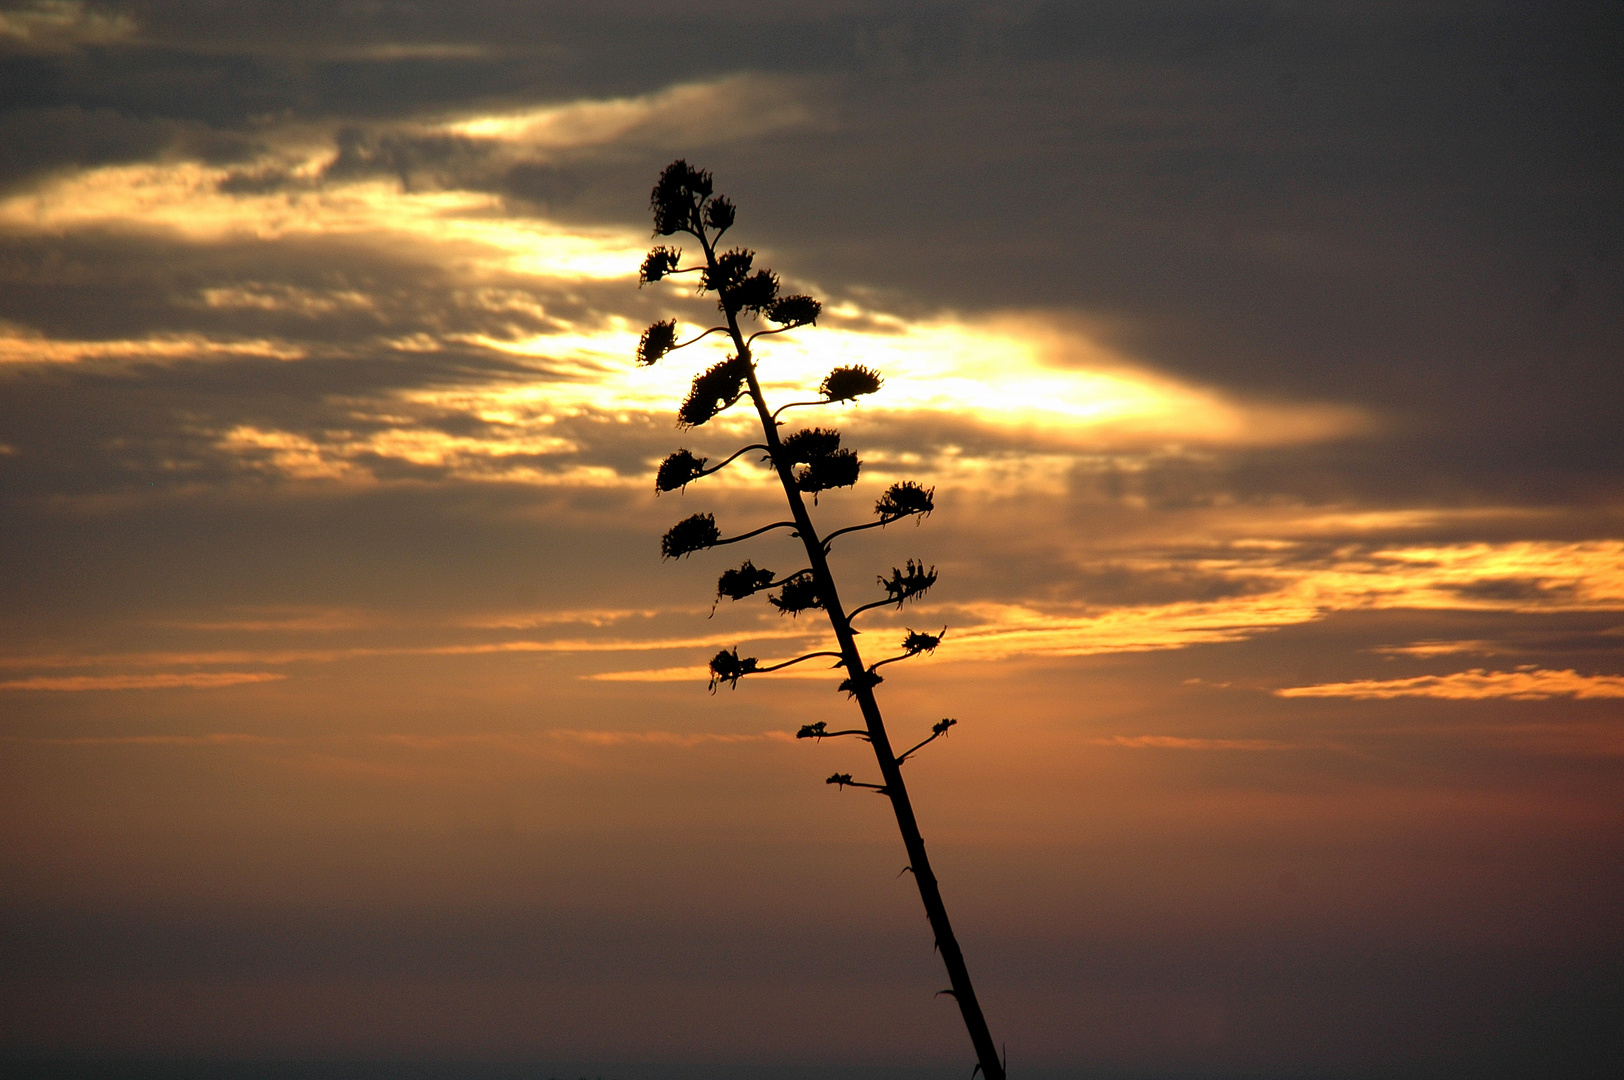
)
(903, 499)
(677, 196)
(677, 470)
(727, 667)
(660, 262)
(716, 388)
(657, 340)
(745, 581)
(800, 593)
(689, 535)
(846, 383)
(908, 584)
(916, 642)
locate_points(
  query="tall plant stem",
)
(890, 768)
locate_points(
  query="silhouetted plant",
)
(807, 462)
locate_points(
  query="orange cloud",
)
(1525, 683)
(1173, 742)
(194, 680)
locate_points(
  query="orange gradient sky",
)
(1271, 404)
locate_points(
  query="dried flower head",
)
(800, 593)
(813, 731)
(838, 469)
(840, 779)
(908, 584)
(718, 387)
(719, 213)
(660, 262)
(797, 310)
(756, 292)
(656, 341)
(689, 535)
(905, 498)
(846, 383)
(677, 470)
(808, 444)
(727, 667)
(740, 583)
(676, 198)
(851, 686)
(731, 268)
(916, 643)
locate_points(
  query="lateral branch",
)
(937, 730)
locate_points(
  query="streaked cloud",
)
(56, 25)
(191, 680)
(1177, 742)
(1524, 683)
(680, 117)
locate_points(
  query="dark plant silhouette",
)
(807, 462)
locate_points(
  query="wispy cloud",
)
(59, 25)
(683, 116)
(194, 680)
(1524, 683)
(1175, 742)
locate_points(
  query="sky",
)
(1264, 359)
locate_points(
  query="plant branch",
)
(855, 528)
(844, 780)
(768, 333)
(796, 404)
(936, 732)
(729, 460)
(754, 532)
(863, 691)
(887, 602)
(698, 337)
(797, 660)
(820, 730)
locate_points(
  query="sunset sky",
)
(1267, 360)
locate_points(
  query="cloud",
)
(680, 117)
(1175, 742)
(1527, 683)
(194, 680)
(212, 739)
(61, 25)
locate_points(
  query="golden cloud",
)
(1525, 684)
(192, 680)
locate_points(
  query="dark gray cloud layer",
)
(1408, 209)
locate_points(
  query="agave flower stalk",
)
(807, 462)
